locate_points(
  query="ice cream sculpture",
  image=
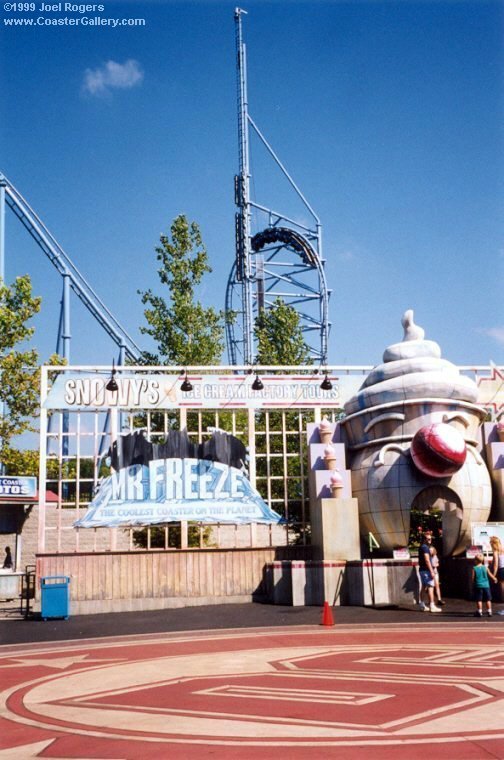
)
(330, 457)
(500, 430)
(412, 436)
(325, 430)
(336, 483)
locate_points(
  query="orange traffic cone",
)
(327, 618)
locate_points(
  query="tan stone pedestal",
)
(335, 529)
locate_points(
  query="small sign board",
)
(401, 554)
(17, 488)
(482, 532)
(473, 551)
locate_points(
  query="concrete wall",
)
(335, 529)
(304, 583)
(494, 454)
(89, 540)
(359, 583)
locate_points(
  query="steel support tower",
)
(282, 258)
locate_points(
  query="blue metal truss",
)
(71, 277)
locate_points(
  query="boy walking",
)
(481, 585)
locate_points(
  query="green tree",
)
(19, 377)
(185, 332)
(279, 336)
(422, 521)
(280, 341)
(20, 462)
(19, 373)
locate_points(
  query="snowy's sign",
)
(171, 490)
(86, 390)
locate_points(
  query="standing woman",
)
(498, 564)
(435, 567)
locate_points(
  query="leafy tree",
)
(18, 462)
(280, 341)
(19, 372)
(279, 336)
(185, 332)
(422, 521)
(19, 377)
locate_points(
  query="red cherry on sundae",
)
(438, 450)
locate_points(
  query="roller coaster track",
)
(72, 277)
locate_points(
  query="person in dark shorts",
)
(481, 585)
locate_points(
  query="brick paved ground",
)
(384, 690)
(254, 681)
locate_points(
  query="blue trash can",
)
(55, 596)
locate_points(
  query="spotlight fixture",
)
(112, 384)
(186, 385)
(257, 385)
(326, 384)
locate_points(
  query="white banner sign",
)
(171, 490)
(86, 390)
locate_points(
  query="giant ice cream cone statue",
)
(412, 436)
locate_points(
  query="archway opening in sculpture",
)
(439, 509)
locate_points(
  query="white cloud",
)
(497, 333)
(346, 255)
(112, 75)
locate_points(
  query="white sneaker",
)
(433, 608)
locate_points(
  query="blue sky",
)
(387, 114)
